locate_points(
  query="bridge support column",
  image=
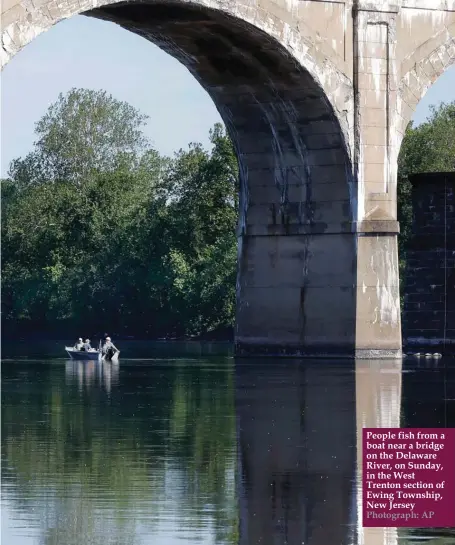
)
(375, 152)
(378, 320)
(332, 291)
(296, 294)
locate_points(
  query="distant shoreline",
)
(220, 335)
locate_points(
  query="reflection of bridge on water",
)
(299, 439)
(91, 373)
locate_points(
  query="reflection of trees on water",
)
(202, 440)
(73, 521)
(429, 536)
(103, 454)
(115, 451)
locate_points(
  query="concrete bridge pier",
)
(330, 293)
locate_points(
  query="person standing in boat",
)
(87, 346)
(79, 345)
(109, 349)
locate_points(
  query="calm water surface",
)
(188, 445)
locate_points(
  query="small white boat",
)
(82, 354)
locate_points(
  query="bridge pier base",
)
(378, 316)
(319, 294)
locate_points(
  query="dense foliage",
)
(101, 232)
(429, 147)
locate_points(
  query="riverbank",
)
(12, 333)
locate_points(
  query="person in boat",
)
(109, 349)
(87, 346)
(79, 345)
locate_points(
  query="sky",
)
(85, 52)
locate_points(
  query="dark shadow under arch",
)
(290, 146)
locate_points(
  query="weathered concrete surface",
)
(316, 95)
(429, 293)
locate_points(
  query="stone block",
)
(373, 66)
(378, 316)
(372, 117)
(371, 50)
(14, 14)
(374, 82)
(379, 265)
(437, 62)
(327, 157)
(316, 127)
(7, 5)
(295, 213)
(373, 99)
(374, 177)
(335, 190)
(374, 154)
(374, 136)
(374, 34)
(323, 141)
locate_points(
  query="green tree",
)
(204, 192)
(202, 222)
(82, 131)
(429, 147)
(98, 229)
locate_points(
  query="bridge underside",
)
(300, 250)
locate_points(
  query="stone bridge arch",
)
(289, 82)
(420, 70)
(23, 20)
(316, 95)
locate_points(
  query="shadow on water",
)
(204, 450)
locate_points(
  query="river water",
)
(182, 444)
